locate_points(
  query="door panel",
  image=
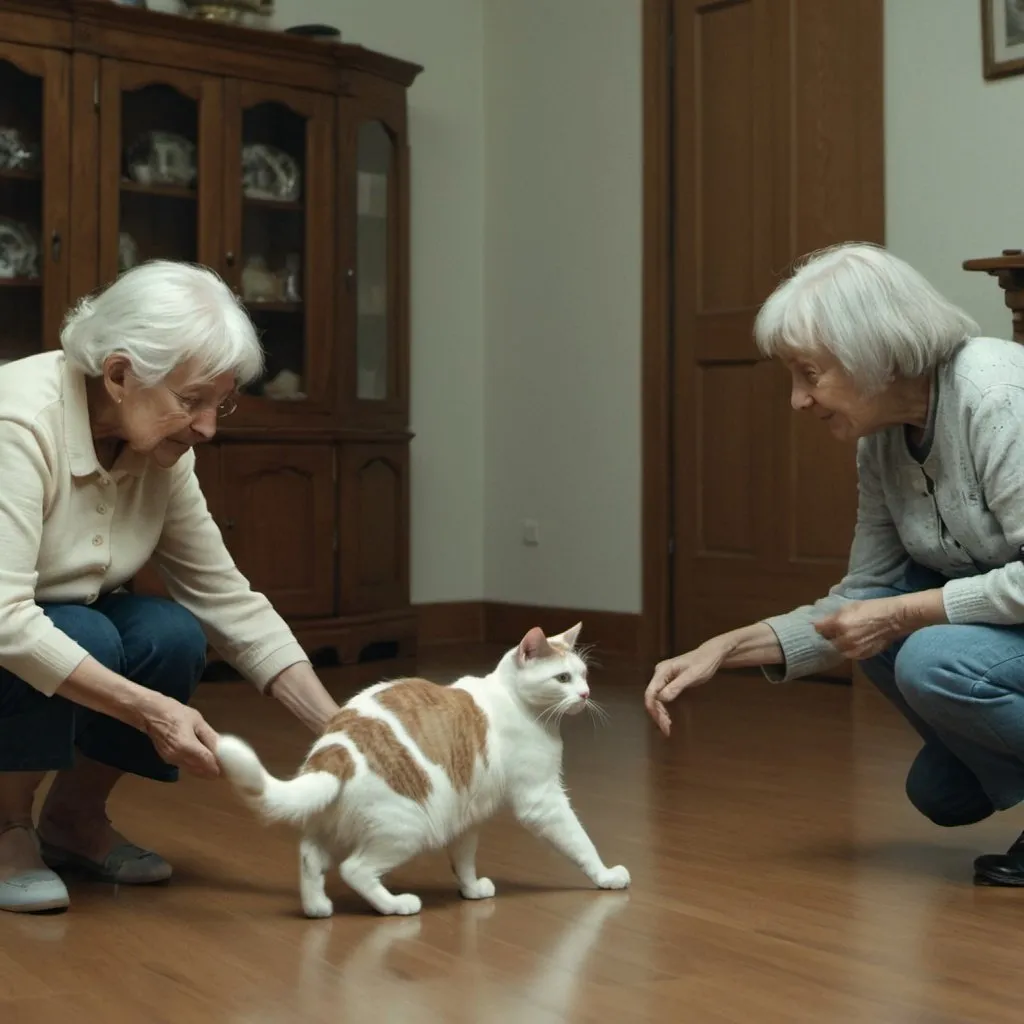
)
(374, 514)
(373, 256)
(279, 522)
(279, 191)
(778, 131)
(160, 158)
(33, 198)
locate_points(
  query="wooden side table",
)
(1008, 269)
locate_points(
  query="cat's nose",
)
(584, 694)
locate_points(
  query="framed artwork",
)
(1002, 37)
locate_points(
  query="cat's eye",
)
(564, 677)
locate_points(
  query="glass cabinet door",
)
(160, 148)
(375, 215)
(34, 162)
(375, 375)
(279, 222)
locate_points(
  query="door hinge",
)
(671, 545)
(96, 93)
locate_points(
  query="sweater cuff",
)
(804, 651)
(966, 600)
(51, 661)
(262, 668)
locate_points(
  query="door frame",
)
(657, 603)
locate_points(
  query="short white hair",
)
(159, 315)
(871, 311)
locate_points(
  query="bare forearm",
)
(924, 608)
(749, 647)
(299, 689)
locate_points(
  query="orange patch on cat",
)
(334, 759)
(443, 721)
(385, 754)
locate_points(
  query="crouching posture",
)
(408, 766)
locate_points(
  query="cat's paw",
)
(406, 904)
(613, 878)
(318, 907)
(481, 889)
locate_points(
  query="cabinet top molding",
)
(99, 27)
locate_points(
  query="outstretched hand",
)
(673, 676)
(182, 737)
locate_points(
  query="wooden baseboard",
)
(495, 622)
(451, 622)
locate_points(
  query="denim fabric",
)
(150, 640)
(962, 688)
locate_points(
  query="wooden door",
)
(279, 188)
(374, 527)
(778, 122)
(160, 166)
(278, 504)
(373, 234)
(34, 189)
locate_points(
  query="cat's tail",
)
(289, 800)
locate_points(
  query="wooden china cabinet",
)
(283, 164)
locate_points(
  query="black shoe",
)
(1006, 869)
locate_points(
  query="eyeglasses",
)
(194, 406)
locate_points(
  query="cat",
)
(408, 765)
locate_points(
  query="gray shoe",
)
(34, 891)
(126, 864)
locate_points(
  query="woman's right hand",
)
(181, 736)
(673, 676)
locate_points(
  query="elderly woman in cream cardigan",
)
(97, 446)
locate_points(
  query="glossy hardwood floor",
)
(778, 876)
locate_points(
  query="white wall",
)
(953, 152)
(563, 301)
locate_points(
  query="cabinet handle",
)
(55, 245)
(350, 276)
(229, 258)
(229, 524)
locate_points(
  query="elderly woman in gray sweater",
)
(932, 604)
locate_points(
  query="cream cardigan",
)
(70, 531)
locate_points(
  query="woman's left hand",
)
(862, 629)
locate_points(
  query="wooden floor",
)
(778, 876)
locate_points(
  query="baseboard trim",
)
(451, 622)
(496, 622)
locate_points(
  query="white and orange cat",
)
(408, 766)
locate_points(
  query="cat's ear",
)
(533, 645)
(570, 636)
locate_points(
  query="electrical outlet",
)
(531, 532)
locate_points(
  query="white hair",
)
(159, 315)
(870, 310)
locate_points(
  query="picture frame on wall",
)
(1002, 38)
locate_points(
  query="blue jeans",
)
(962, 688)
(150, 640)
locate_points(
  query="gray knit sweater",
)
(959, 512)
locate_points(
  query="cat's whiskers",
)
(598, 713)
